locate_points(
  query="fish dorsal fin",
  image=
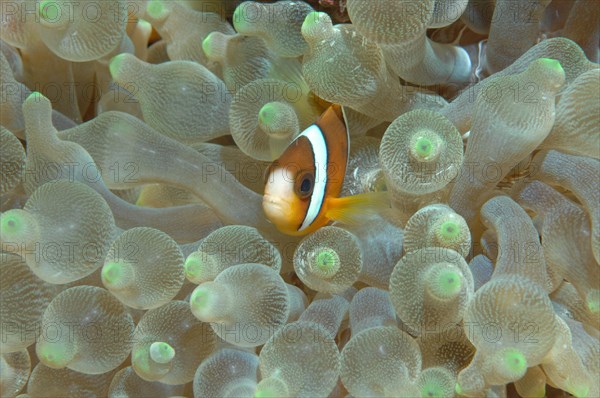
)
(335, 132)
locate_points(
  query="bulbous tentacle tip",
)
(425, 147)
(449, 230)
(247, 17)
(161, 352)
(271, 387)
(549, 72)
(207, 45)
(593, 301)
(111, 272)
(208, 301)
(156, 10)
(449, 283)
(49, 11)
(458, 389)
(12, 223)
(326, 263)
(37, 112)
(116, 65)
(462, 66)
(193, 267)
(237, 18)
(17, 227)
(116, 275)
(266, 114)
(216, 46)
(54, 355)
(315, 24)
(551, 64)
(579, 390)
(512, 363)
(278, 120)
(36, 97)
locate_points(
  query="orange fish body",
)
(303, 184)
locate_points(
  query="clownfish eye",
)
(305, 184)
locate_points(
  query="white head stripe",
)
(319, 149)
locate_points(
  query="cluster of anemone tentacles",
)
(136, 260)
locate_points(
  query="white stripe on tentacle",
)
(319, 149)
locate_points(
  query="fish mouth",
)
(275, 203)
(276, 209)
(280, 213)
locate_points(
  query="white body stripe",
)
(319, 148)
(347, 132)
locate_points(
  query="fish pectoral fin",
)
(354, 209)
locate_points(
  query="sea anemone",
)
(136, 138)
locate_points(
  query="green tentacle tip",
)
(139, 360)
(35, 97)
(316, 24)
(449, 230)
(193, 267)
(449, 282)
(327, 262)
(207, 45)
(593, 301)
(266, 115)
(313, 19)
(161, 352)
(49, 10)
(236, 15)
(11, 223)
(580, 391)
(458, 390)
(199, 298)
(54, 355)
(276, 119)
(424, 147)
(431, 389)
(514, 361)
(156, 9)
(266, 393)
(271, 387)
(115, 65)
(145, 24)
(112, 273)
(550, 63)
(240, 18)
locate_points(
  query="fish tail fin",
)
(354, 209)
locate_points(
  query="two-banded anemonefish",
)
(303, 184)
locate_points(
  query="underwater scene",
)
(319, 198)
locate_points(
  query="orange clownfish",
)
(303, 184)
